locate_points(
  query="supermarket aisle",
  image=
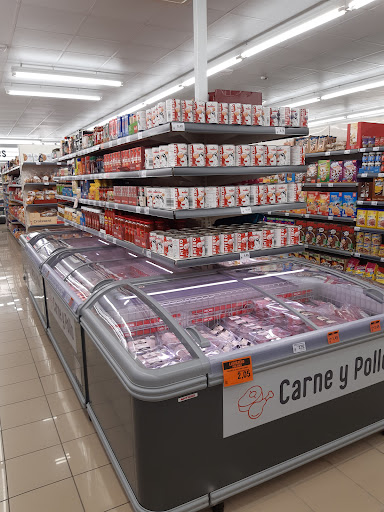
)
(51, 458)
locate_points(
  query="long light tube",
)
(369, 113)
(44, 94)
(352, 90)
(304, 102)
(357, 4)
(65, 78)
(320, 122)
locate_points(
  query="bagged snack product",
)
(371, 218)
(312, 173)
(361, 218)
(370, 270)
(323, 170)
(351, 265)
(350, 170)
(336, 204)
(349, 204)
(380, 220)
(336, 171)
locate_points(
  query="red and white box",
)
(275, 115)
(285, 116)
(293, 192)
(228, 196)
(178, 155)
(199, 111)
(293, 235)
(227, 155)
(212, 112)
(212, 243)
(246, 114)
(161, 119)
(152, 241)
(187, 111)
(141, 120)
(271, 193)
(196, 155)
(168, 245)
(255, 240)
(271, 155)
(268, 238)
(156, 157)
(254, 195)
(212, 155)
(196, 197)
(281, 236)
(177, 198)
(283, 155)
(299, 117)
(148, 118)
(297, 155)
(243, 156)
(172, 110)
(181, 247)
(163, 150)
(281, 193)
(259, 155)
(257, 115)
(263, 193)
(154, 116)
(243, 195)
(227, 243)
(266, 116)
(223, 113)
(198, 246)
(212, 197)
(241, 241)
(160, 242)
(235, 113)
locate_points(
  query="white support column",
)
(200, 49)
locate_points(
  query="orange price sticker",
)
(375, 326)
(237, 371)
(333, 337)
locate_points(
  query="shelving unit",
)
(12, 170)
(341, 152)
(332, 218)
(311, 186)
(370, 230)
(339, 252)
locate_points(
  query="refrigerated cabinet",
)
(71, 276)
(177, 436)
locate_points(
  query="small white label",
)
(330, 184)
(306, 215)
(381, 259)
(364, 175)
(330, 217)
(113, 240)
(143, 174)
(359, 202)
(280, 130)
(377, 148)
(187, 397)
(327, 153)
(286, 214)
(363, 150)
(357, 254)
(178, 127)
(299, 347)
(357, 228)
(138, 209)
(76, 203)
(38, 163)
(140, 135)
(347, 152)
(244, 256)
(146, 210)
(102, 231)
(148, 253)
(374, 203)
(381, 174)
(58, 163)
(245, 210)
(318, 185)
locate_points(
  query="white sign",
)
(288, 389)
(62, 316)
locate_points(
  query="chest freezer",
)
(38, 250)
(71, 276)
(303, 345)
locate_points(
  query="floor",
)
(52, 461)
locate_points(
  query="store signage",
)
(8, 153)
(62, 316)
(237, 371)
(290, 388)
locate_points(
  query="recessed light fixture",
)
(64, 77)
(62, 95)
(303, 102)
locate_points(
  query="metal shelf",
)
(307, 186)
(16, 201)
(190, 214)
(41, 205)
(190, 262)
(371, 175)
(12, 170)
(168, 172)
(66, 198)
(345, 220)
(369, 230)
(196, 132)
(14, 217)
(42, 164)
(14, 185)
(341, 152)
(39, 184)
(370, 203)
(345, 253)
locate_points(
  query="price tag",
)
(347, 152)
(306, 215)
(375, 326)
(143, 174)
(330, 217)
(138, 209)
(333, 337)
(178, 127)
(102, 231)
(76, 203)
(38, 163)
(330, 184)
(357, 228)
(381, 259)
(286, 214)
(146, 210)
(280, 130)
(148, 253)
(377, 148)
(357, 254)
(363, 150)
(58, 163)
(299, 347)
(327, 153)
(140, 135)
(374, 203)
(318, 185)
(364, 175)
(237, 371)
(245, 210)
(244, 256)
(113, 240)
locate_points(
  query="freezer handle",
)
(196, 336)
(374, 294)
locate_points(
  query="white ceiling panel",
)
(224, 5)
(165, 38)
(354, 67)
(81, 60)
(24, 55)
(130, 10)
(93, 46)
(75, 6)
(273, 10)
(238, 28)
(119, 30)
(39, 39)
(41, 18)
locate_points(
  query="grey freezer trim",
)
(43, 322)
(47, 232)
(191, 506)
(259, 478)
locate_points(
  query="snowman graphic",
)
(253, 402)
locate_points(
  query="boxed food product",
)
(338, 263)
(163, 150)
(257, 115)
(312, 173)
(356, 132)
(365, 190)
(172, 110)
(361, 217)
(275, 116)
(227, 243)
(258, 155)
(243, 155)
(255, 239)
(181, 247)
(351, 265)
(212, 112)
(227, 155)
(268, 238)
(379, 278)
(323, 170)
(212, 197)
(199, 111)
(243, 195)
(196, 197)
(285, 116)
(321, 235)
(246, 114)
(367, 243)
(271, 155)
(283, 155)
(196, 155)
(241, 241)
(334, 235)
(350, 170)
(156, 157)
(254, 194)
(228, 196)
(347, 242)
(323, 203)
(310, 234)
(263, 194)
(223, 113)
(312, 198)
(148, 158)
(380, 220)
(336, 171)
(281, 193)
(177, 198)
(266, 116)
(378, 190)
(187, 111)
(349, 204)
(371, 218)
(299, 117)
(271, 193)
(178, 155)
(212, 155)
(336, 204)
(198, 246)
(298, 156)
(235, 110)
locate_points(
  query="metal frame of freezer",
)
(177, 437)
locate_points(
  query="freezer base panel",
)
(43, 317)
(36, 287)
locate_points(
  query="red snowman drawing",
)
(253, 401)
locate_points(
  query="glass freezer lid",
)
(51, 246)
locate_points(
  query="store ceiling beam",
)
(200, 30)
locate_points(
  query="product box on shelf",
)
(336, 171)
(361, 217)
(349, 204)
(212, 155)
(324, 171)
(347, 242)
(334, 236)
(356, 132)
(378, 190)
(312, 171)
(187, 111)
(336, 204)
(178, 155)
(323, 203)
(172, 110)
(312, 200)
(350, 170)
(243, 155)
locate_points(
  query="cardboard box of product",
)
(35, 218)
(356, 132)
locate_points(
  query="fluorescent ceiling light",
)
(44, 94)
(224, 65)
(293, 32)
(352, 90)
(61, 77)
(19, 141)
(320, 122)
(188, 82)
(163, 94)
(370, 113)
(135, 108)
(304, 102)
(356, 4)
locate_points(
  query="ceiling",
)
(149, 43)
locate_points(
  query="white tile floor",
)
(52, 461)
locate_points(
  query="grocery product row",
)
(333, 171)
(372, 162)
(371, 190)
(337, 204)
(367, 218)
(46, 195)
